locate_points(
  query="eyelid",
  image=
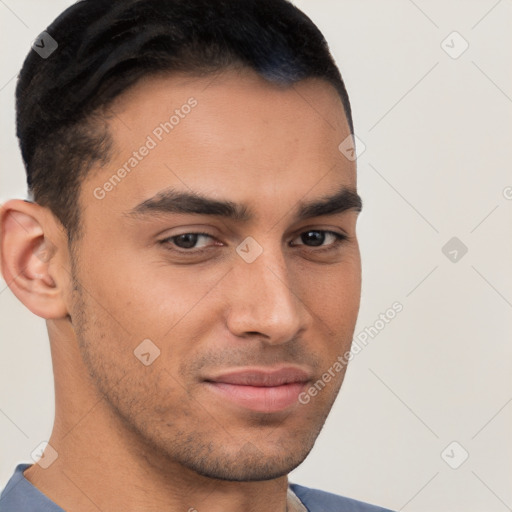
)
(319, 226)
(170, 238)
(339, 237)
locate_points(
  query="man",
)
(191, 242)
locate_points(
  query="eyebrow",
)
(171, 201)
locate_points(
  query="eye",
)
(318, 237)
(189, 240)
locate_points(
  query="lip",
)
(261, 389)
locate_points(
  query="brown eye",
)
(188, 240)
(318, 237)
(313, 238)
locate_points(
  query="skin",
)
(134, 437)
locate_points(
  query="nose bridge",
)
(264, 300)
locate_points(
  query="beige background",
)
(438, 137)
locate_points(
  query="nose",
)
(264, 300)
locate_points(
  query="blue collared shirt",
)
(20, 495)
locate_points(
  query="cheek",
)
(332, 292)
(333, 295)
(172, 302)
(148, 298)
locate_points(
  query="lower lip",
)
(259, 398)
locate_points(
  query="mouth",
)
(260, 389)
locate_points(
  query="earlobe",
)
(28, 258)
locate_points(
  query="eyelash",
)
(339, 239)
(167, 242)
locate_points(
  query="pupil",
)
(186, 241)
(314, 237)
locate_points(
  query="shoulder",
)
(20, 495)
(321, 501)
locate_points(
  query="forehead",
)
(231, 134)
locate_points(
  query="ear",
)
(32, 248)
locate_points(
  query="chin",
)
(244, 470)
(246, 463)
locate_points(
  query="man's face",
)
(224, 311)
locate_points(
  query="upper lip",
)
(264, 377)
